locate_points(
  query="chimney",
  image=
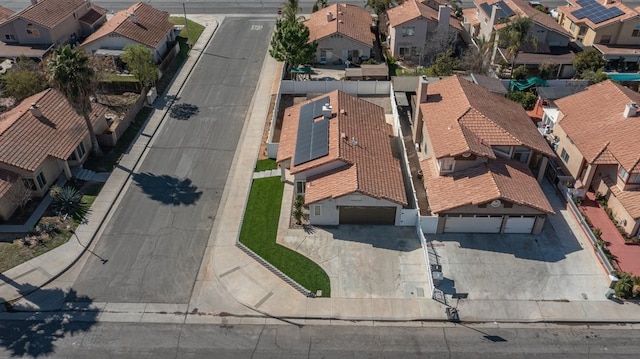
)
(33, 2)
(35, 110)
(423, 84)
(329, 16)
(607, 2)
(630, 110)
(494, 13)
(444, 16)
(133, 18)
(326, 111)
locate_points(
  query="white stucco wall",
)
(336, 44)
(119, 43)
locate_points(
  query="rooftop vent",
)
(630, 109)
(134, 18)
(329, 16)
(35, 110)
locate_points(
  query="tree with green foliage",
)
(588, 60)
(444, 64)
(290, 43)
(69, 71)
(594, 76)
(290, 11)
(23, 83)
(515, 35)
(380, 6)
(319, 4)
(139, 60)
(526, 98)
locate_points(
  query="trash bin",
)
(609, 294)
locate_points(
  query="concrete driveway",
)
(365, 261)
(556, 265)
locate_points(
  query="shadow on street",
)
(35, 336)
(167, 189)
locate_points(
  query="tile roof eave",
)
(347, 36)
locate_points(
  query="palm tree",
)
(69, 71)
(516, 34)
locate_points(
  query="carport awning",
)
(401, 98)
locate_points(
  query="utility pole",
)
(186, 24)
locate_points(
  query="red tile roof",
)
(630, 199)
(5, 13)
(461, 116)
(26, 141)
(502, 179)
(594, 120)
(48, 13)
(521, 8)
(573, 6)
(348, 20)
(151, 27)
(413, 9)
(93, 15)
(369, 166)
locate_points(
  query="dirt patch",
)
(118, 103)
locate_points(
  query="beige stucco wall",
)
(575, 157)
(18, 28)
(335, 45)
(620, 32)
(422, 27)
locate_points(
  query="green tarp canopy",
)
(522, 85)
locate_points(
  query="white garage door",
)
(478, 224)
(521, 224)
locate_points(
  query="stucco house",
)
(598, 146)
(412, 25)
(610, 26)
(481, 159)
(336, 149)
(40, 139)
(46, 23)
(139, 24)
(553, 40)
(343, 33)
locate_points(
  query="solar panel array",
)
(313, 135)
(503, 12)
(596, 12)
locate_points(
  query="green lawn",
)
(195, 29)
(259, 231)
(267, 164)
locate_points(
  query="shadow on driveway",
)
(394, 238)
(167, 189)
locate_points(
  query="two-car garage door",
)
(489, 224)
(367, 215)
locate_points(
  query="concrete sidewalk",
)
(37, 272)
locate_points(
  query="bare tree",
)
(437, 43)
(19, 194)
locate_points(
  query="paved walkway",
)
(226, 269)
(627, 257)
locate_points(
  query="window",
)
(605, 39)
(565, 156)
(300, 187)
(522, 154)
(317, 210)
(583, 31)
(10, 37)
(29, 183)
(572, 27)
(636, 31)
(635, 178)
(42, 181)
(504, 151)
(81, 150)
(32, 31)
(622, 173)
(408, 31)
(446, 164)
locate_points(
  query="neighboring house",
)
(412, 26)
(612, 27)
(553, 40)
(41, 138)
(139, 24)
(598, 146)
(46, 23)
(337, 148)
(343, 33)
(478, 152)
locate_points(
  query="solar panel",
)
(503, 12)
(596, 12)
(313, 135)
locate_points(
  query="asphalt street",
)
(155, 241)
(437, 340)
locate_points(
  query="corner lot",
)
(557, 265)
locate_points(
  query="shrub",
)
(597, 232)
(525, 98)
(371, 61)
(624, 285)
(68, 201)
